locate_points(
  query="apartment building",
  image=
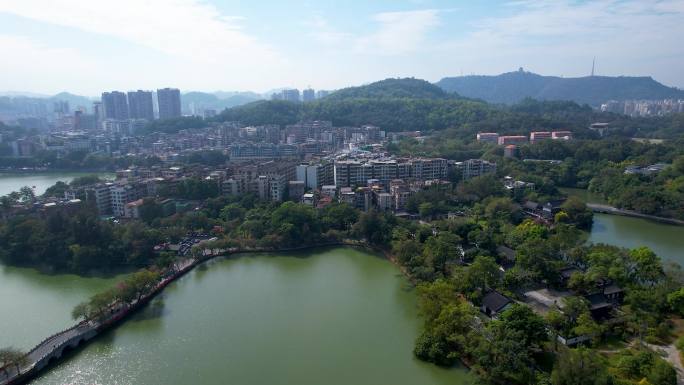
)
(474, 167)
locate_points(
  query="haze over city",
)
(86, 47)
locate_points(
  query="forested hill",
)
(513, 87)
(392, 104)
(393, 89)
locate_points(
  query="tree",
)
(501, 209)
(577, 212)
(297, 223)
(502, 355)
(233, 211)
(375, 227)
(662, 373)
(580, 367)
(483, 273)
(150, 210)
(406, 250)
(339, 216)
(647, 267)
(426, 210)
(446, 338)
(12, 356)
(587, 326)
(441, 249)
(676, 301)
(80, 311)
(27, 194)
(530, 325)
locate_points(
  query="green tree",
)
(442, 249)
(580, 367)
(502, 356)
(27, 195)
(12, 356)
(339, 216)
(676, 301)
(445, 340)
(296, 223)
(586, 325)
(483, 273)
(80, 311)
(531, 326)
(233, 211)
(662, 373)
(647, 267)
(577, 212)
(501, 209)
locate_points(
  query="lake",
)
(664, 239)
(40, 182)
(331, 316)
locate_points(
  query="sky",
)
(90, 46)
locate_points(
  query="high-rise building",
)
(291, 95)
(321, 94)
(98, 111)
(140, 105)
(308, 95)
(115, 105)
(169, 103)
(61, 107)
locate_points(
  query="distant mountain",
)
(392, 89)
(23, 94)
(231, 94)
(217, 101)
(513, 87)
(74, 100)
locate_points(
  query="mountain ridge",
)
(513, 87)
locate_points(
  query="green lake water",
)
(332, 316)
(40, 182)
(664, 239)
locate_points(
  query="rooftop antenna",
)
(593, 66)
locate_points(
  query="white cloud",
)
(561, 37)
(396, 33)
(399, 32)
(188, 28)
(27, 62)
(192, 42)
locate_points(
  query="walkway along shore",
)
(606, 209)
(52, 349)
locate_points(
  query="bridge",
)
(600, 208)
(51, 349)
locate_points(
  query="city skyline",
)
(223, 45)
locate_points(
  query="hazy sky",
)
(87, 46)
